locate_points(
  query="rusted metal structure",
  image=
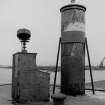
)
(28, 83)
(73, 49)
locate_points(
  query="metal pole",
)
(56, 65)
(96, 89)
(89, 65)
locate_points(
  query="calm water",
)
(6, 76)
(97, 76)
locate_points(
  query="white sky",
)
(43, 18)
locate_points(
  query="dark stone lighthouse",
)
(73, 49)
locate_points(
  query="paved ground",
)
(88, 99)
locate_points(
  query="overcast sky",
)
(43, 19)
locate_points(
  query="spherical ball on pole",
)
(24, 37)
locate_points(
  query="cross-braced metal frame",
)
(91, 76)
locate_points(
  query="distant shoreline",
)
(52, 68)
(6, 67)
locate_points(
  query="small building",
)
(28, 83)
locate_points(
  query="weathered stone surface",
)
(28, 83)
